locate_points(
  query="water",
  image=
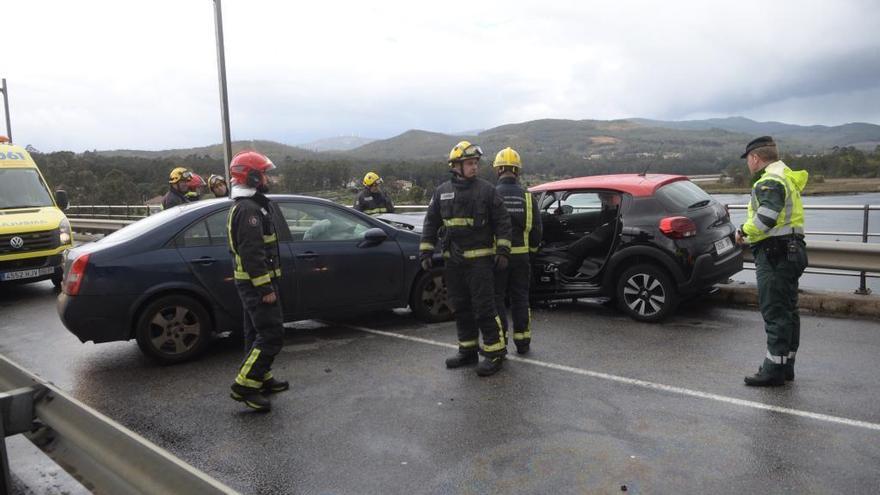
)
(823, 221)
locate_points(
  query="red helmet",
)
(247, 167)
(195, 182)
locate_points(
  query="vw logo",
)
(16, 242)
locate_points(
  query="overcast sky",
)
(124, 74)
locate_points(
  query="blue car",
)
(166, 280)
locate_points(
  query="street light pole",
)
(5, 92)
(224, 100)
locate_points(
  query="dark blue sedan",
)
(166, 280)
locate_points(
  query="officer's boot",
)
(789, 368)
(770, 374)
(462, 359)
(490, 365)
(522, 346)
(251, 397)
(273, 386)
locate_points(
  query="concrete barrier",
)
(822, 302)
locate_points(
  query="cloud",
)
(102, 74)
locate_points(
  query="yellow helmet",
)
(463, 151)
(178, 174)
(372, 178)
(508, 157)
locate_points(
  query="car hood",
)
(409, 222)
(23, 220)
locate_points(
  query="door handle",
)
(309, 255)
(204, 260)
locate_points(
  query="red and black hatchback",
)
(644, 241)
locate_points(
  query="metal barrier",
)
(844, 257)
(131, 212)
(103, 455)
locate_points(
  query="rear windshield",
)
(683, 195)
(22, 188)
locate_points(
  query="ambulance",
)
(34, 232)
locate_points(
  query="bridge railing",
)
(844, 258)
(101, 454)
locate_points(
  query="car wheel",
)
(429, 301)
(646, 293)
(173, 329)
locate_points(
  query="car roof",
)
(634, 184)
(196, 205)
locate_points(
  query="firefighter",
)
(194, 188)
(177, 188)
(476, 241)
(254, 245)
(774, 229)
(371, 200)
(525, 218)
(217, 185)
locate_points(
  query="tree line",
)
(90, 178)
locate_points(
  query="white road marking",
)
(643, 383)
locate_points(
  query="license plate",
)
(723, 246)
(36, 272)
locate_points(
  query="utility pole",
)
(5, 92)
(224, 99)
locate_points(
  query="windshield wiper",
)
(699, 204)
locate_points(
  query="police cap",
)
(758, 143)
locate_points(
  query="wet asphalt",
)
(371, 413)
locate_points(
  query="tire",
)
(57, 278)
(646, 293)
(428, 300)
(173, 329)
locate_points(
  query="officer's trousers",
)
(778, 295)
(470, 286)
(512, 285)
(263, 335)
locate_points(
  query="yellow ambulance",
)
(34, 233)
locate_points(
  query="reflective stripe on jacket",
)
(525, 217)
(775, 208)
(373, 203)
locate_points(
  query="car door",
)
(336, 269)
(578, 213)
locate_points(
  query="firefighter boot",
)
(273, 386)
(490, 365)
(522, 347)
(769, 375)
(461, 359)
(251, 397)
(789, 369)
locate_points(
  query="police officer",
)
(476, 240)
(774, 230)
(254, 245)
(178, 181)
(371, 200)
(525, 218)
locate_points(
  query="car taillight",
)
(678, 227)
(73, 277)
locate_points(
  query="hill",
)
(339, 143)
(276, 151)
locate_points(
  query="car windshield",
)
(22, 188)
(683, 195)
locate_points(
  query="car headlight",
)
(64, 233)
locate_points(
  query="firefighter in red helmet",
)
(254, 245)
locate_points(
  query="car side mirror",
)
(373, 237)
(61, 199)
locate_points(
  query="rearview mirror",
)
(61, 199)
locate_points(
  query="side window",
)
(315, 222)
(581, 202)
(195, 236)
(217, 228)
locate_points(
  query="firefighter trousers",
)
(470, 286)
(263, 335)
(512, 286)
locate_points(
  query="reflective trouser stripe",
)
(791, 355)
(376, 211)
(262, 280)
(465, 344)
(520, 250)
(776, 359)
(269, 239)
(527, 333)
(426, 246)
(242, 378)
(502, 242)
(497, 346)
(267, 376)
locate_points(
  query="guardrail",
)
(103, 455)
(112, 211)
(846, 256)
